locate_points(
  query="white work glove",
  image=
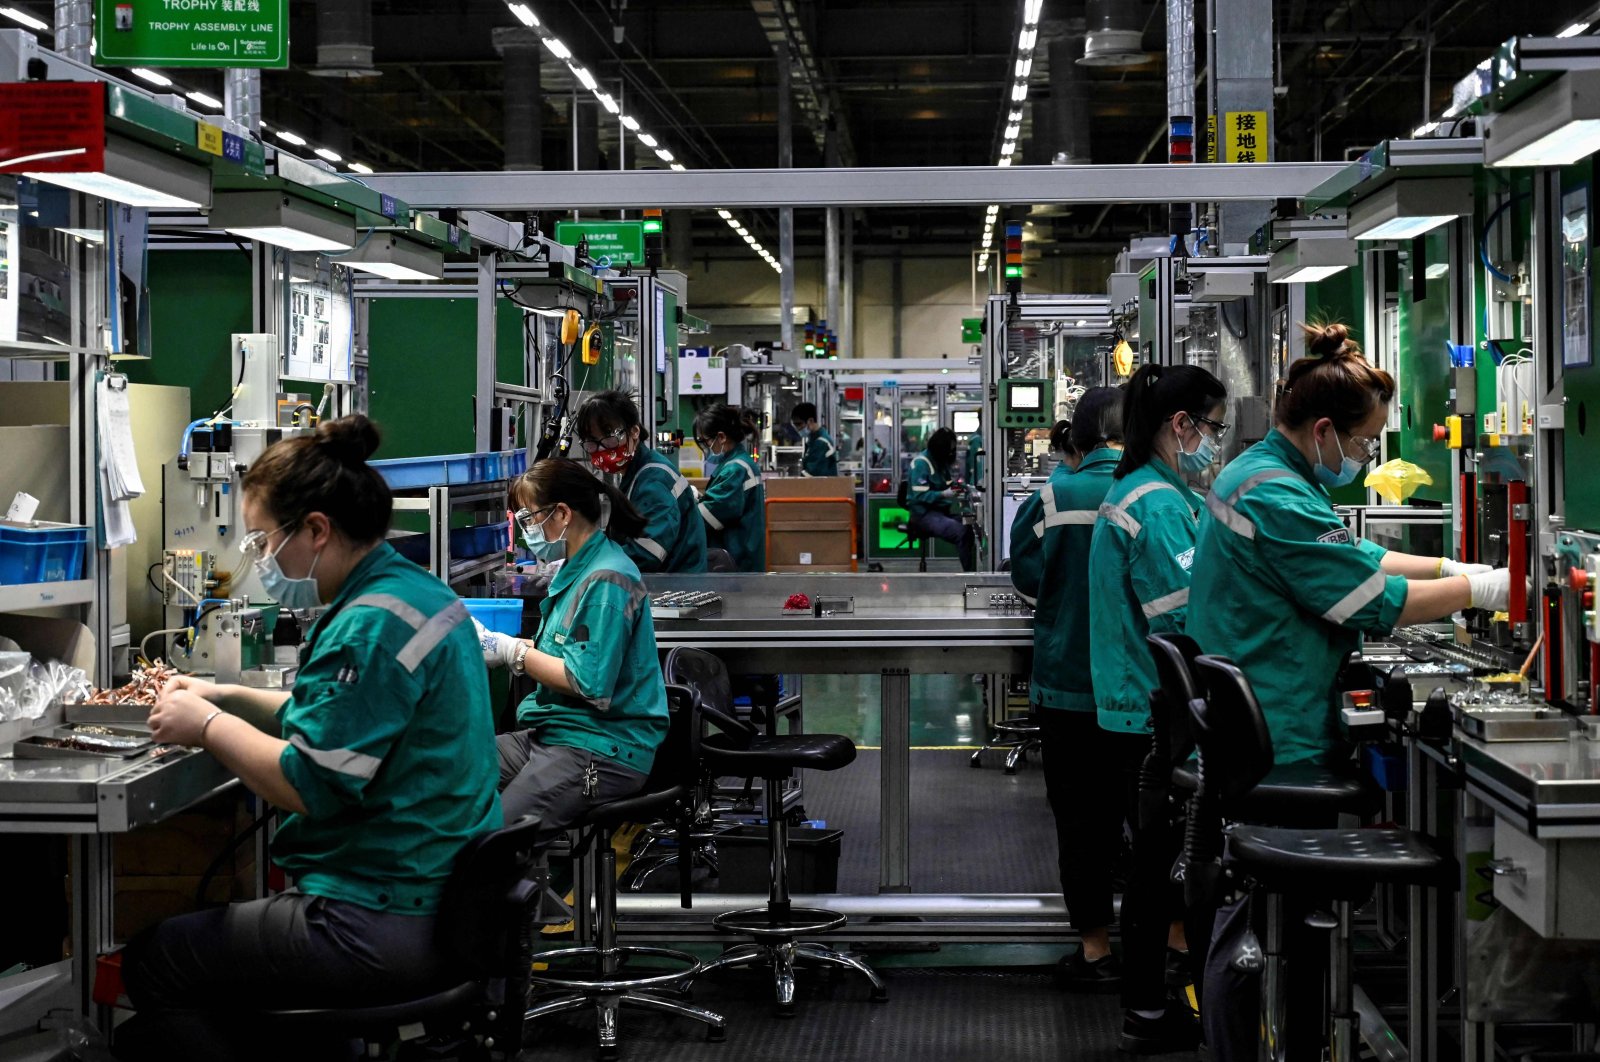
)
(1491, 590)
(499, 650)
(545, 574)
(1448, 567)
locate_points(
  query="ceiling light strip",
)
(1011, 131)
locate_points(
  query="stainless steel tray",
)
(39, 747)
(1514, 723)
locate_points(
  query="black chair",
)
(1336, 866)
(913, 539)
(484, 930)
(741, 750)
(720, 560)
(1017, 734)
(596, 975)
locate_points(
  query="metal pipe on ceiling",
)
(786, 213)
(344, 39)
(1069, 104)
(241, 97)
(520, 55)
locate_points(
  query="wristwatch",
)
(522, 655)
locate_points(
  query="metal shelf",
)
(21, 351)
(26, 596)
(462, 570)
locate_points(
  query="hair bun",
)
(1329, 341)
(348, 440)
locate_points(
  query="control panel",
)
(995, 599)
(185, 577)
(1027, 403)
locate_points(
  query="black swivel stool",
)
(1338, 866)
(741, 750)
(596, 975)
(914, 540)
(484, 928)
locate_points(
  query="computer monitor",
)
(1027, 397)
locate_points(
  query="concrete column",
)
(897, 300)
(831, 266)
(588, 138)
(1069, 103)
(680, 242)
(519, 51)
(1241, 63)
(74, 29)
(785, 214)
(847, 298)
(241, 98)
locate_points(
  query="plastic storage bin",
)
(41, 552)
(466, 543)
(414, 473)
(743, 862)
(502, 614)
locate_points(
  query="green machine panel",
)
(1027, 403)
(1424, 364)
(198, 300)
(1582, 382)
(885, 540)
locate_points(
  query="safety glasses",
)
(529, 520)
(1369, 448)
(609, 441)
(254, 544)
(1218, 427)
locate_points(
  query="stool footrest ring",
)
(759, 922)
(616, 981)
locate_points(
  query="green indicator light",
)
(1013, 272)
(652, 226)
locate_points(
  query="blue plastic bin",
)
(413, 473)
(500, 614)
(41, 552)
(465, 543)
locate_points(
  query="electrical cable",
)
(226, 854)
(1483, 239)
(190, 594)
(144, 643)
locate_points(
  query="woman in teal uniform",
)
(593, 723)
(734, 505)
(381, 762)
(819, 456)
(932, 498)
(1050, 567)
(674, 537)
(1140, 559)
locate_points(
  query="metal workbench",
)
(897, 626)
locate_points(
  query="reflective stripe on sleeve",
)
(652, 547)
(634, 591)
(1118, 514)
(340, 761)
(752, 482)
(679, 484)
(716, 525)
(430, 630)
(1371, 588)
(1166, 603)
(1224, 509)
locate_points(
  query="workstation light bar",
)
(284, 221)
(1408, 207)
(1557, 126)
(388, 255)
(139, 176)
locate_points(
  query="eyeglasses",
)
(254, 544)
(609, 441)
(1217, 426)
(1369, 447)
(528, 519)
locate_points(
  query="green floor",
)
(946, 710)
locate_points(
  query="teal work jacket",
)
(674, 538)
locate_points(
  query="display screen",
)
(1028, 397)
(965, 421)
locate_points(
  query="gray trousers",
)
(548, 780)
(291, 950)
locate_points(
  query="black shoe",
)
(1180, 974)
(1078, 974)
(1176, 1030)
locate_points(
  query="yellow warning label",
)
(208, 138)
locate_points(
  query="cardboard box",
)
(812, 487)
(141, 902)
(809, 550)
(186, 843)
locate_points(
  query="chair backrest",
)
(1230, 728)
(902, 494)
(677, 759)
(486, 898)
(707, 678)
(720, 560)
(1174, 656)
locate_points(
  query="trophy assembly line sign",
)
(215, 33)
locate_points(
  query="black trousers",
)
(1150, 902)
(956, 532)
(1081, 774)
(185, 975)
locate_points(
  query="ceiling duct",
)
(1069, 104)
(1114, 37)
(344, 39)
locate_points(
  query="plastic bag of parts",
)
(29, 686)
(78, 1040)
(1514, 974)
(1398, 480)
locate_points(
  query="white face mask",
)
(291, 593)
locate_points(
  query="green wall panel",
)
(1582, 436)
(198, 300)
(1425, 369)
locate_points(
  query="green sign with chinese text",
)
(972, 330)
(215, 33)
(620, 241)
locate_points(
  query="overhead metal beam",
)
(860, 187)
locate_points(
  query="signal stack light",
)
(1013, 271)
(811, 339)
(653, 230)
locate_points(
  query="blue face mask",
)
(1204, 455)
(546, 549)
(294, 594)
(1349, 468)
(712, 462)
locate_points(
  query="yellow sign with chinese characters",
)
(208, 138)
(1211, 138)
(1245, 137)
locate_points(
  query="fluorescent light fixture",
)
(1425, 130)
(1019, 92)
(663, 154)
(205, 101)
(524, 15)
(151, 76)
(140, 176)
(26, 19)
(1024, 68)
(608, 102)
(1006, 161)
(679, 167)
(86, 235)
(1307, 261)
(585, 78)
(557, 49)
(1008, 147)
(360, 167)
(733, 222)
(1013, 131)
(724, 215)
(741, 230)
(291, 138)
(1574, 29)
(1030, 12)
(630, 123)
(647, 140)
(284, 221)
(1030, 35)
(388, 255)
(1409, 207)
(1556, 126)
(1015, 116)
(1437, 271)
(331, 156)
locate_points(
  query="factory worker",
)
(734, 505)
(1280, 586)
(1050, 567)
(674, 538)
(973, 466)
(381, 762)
(1140, 560)
(592, 725)
(820, 457)
(932, 498)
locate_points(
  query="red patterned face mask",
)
(614, 460)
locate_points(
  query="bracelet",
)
(518, 665)
(214, 713)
